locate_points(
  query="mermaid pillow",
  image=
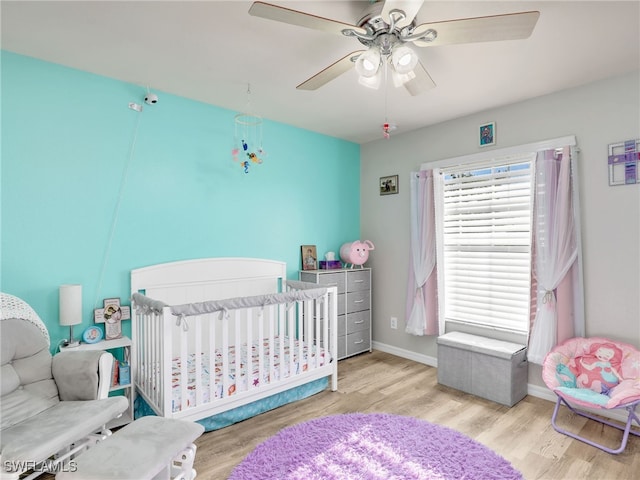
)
(598, 367)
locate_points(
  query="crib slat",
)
(211, 352)
(302, 332)
(184, 371)
(314, 345)
(224, 354)
(154, 364)
(154, 357)
(237, 360)
(289, 335)
(282, 315)
(261, 371)
(330, 310)
(270, 344)
(166, 338)
(197, 358)
(150, 340)
(249, 343)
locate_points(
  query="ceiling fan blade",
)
(511, 26)
(421, 82)
(409, 7)
(295, 17)
(332, 71)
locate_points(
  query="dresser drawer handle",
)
(358, 301)
(359, 321)
(358, 281)
(358, 342)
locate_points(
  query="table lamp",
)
(70, 310)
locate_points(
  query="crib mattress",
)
(237, 377)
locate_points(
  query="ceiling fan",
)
(387, 28)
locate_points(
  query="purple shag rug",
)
(372, 446)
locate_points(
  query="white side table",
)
(128, 390)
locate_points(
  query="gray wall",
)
(597, 114)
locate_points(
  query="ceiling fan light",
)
(404, 59)
(399, 79)
(371, 82)
(368, 63)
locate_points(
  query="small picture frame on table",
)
(487, 134)
(92, 334)
(309, 257)
(389, 185)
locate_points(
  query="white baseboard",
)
(533, 390)
(408, 354)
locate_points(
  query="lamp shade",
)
(70, 305)
(404, 59)
(371, 82)
(400, 79)
(368, 63)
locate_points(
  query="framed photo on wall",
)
(487, 134)
(309, 257)
(389, 185)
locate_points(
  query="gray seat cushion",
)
(50, 431)
(139, 451)
(20, 405)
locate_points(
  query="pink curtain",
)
(555, 253)
(422, 306)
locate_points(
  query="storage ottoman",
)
(491, 369)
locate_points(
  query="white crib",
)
(212, 335)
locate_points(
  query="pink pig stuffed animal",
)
(356, 253)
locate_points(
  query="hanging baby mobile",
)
(247, 142)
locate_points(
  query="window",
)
(483, 225)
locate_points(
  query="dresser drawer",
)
(358, 342)
(358, 280)
(327, 279)
(342, 326)
(358, 301)
(358, 321)
(342, 303)
(342, 347)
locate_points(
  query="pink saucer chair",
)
(598, 374)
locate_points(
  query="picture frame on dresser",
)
(309, 257)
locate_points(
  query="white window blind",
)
(486, 243)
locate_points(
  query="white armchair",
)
(52, 408)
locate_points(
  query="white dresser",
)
(354, 306)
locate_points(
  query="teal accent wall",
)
(73, 151)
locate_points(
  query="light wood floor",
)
(380, 382)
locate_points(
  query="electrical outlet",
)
(394, 323)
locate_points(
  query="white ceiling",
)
(211, 50)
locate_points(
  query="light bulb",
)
(368, 63)
(403, 59)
